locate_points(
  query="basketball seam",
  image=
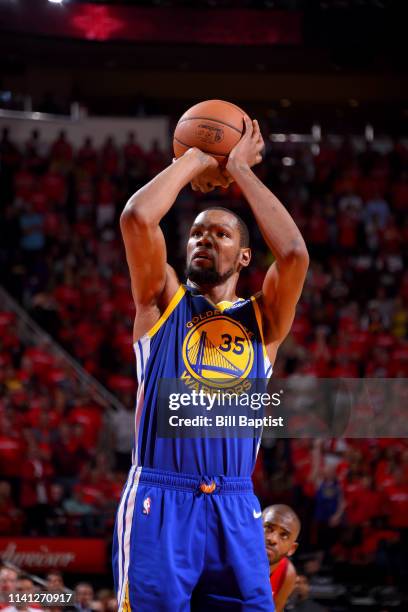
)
(213, 120)
(203, 150)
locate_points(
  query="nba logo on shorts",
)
(146, 505)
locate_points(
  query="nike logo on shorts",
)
(257, 515)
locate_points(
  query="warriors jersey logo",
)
(218, 351)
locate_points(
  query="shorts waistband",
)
(216, 485)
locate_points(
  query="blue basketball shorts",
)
(186, 543)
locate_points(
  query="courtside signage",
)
(66, 554)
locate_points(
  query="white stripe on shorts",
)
(120, 528)
(128, 528)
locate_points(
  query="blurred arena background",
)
(89, 96)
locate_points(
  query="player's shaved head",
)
(284, 517)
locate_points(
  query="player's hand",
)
(210, 179)
(248, 151)
(210, 174)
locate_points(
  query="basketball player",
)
(188, 532)
(281, 527)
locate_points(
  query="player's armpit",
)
(281, 290)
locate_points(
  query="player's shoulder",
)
(291, 573)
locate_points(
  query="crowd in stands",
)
(83, 597)
(61, 256)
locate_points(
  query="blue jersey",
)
(199, 342)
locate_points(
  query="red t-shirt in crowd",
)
(398, 505)
(90, 418)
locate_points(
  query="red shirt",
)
(398, 505)
(278, 575)
(90, 418)
(11, 455)
(110, 160)
(363, 504)
(53, 185)
(23, 184)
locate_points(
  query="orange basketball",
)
(214, 126)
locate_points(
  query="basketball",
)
(214, 126)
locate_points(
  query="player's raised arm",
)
(284, 280)
(144, 241)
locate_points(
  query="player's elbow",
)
(297, 256)
(134, 214)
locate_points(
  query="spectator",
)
(110, 158)
(36, 473)
(54, 512)
(329, 505)
(24, 586)
(84, 596)
(32, 231)
(87, 158)
(377, 209)
(62, 152)
(55, 581)
(156, 159)
(8, 584)
(397, 494)
(84, 517)
(10, 516)
(122, 427)
(301, 600)
(69, 454)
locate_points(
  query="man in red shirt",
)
(397, 507)
(281, 527)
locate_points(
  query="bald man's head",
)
(284, 516)
(281, 527)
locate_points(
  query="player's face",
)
(213, 248)
(280, 535)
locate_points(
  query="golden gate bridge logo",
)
(218, 351)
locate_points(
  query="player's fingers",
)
(228, 178)
(260, 144)
(248, 126)
(258, 158)
(223, 181)
(194, 186)
(257, 131)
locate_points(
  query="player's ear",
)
(245, 257)
(292, 549)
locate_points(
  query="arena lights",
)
(316, 131)
(56, 1)
(369, 133)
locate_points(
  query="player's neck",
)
(218, 293)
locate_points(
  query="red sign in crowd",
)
(68, 555)
(146, 24)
